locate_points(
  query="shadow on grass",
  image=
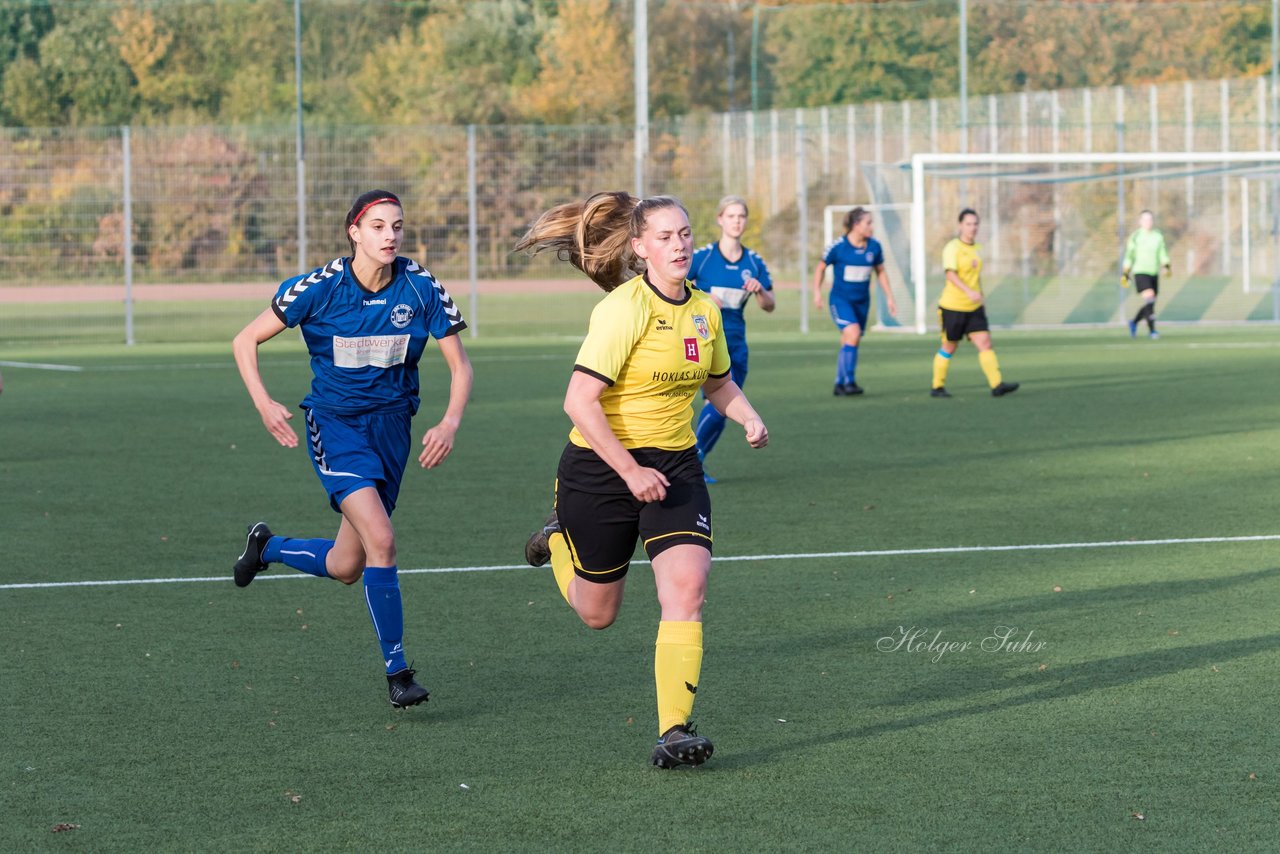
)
(1055, 683)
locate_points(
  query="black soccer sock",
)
(1143, 313)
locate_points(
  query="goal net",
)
(1054, 228)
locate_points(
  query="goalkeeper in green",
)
(1144, 255)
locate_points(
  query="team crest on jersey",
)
(746, 275)
(691, 350)
(401, 315)
(700, 324)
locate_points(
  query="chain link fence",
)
(214, 223)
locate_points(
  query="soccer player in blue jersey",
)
(853, 258)
(732, 274)
(365, 320)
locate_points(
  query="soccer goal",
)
(1054, 228)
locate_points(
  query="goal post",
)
(1054, 225)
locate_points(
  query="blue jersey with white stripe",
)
(365, 346)
(723, 279)
(851, 267)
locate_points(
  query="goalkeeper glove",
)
(1124, 280)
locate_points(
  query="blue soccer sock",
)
(304, 555)
(710, 426)
(848, 363)
(382, 594)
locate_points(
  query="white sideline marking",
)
(41, 366)
(730, 559)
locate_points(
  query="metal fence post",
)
(802, 208)
(127, 226)
(473, 236)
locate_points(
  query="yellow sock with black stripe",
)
(561, 563)
(941, 361)
(990, 366)
(677, 664)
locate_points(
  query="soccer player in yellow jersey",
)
(960, 310)
(631, 467)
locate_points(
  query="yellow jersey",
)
(962, 258)
(654, 354)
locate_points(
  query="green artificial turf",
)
(1135, 713)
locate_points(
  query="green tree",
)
(78, 77)
(464, 63)
(21, 28)
(585, 75)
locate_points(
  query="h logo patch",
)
(691, 349)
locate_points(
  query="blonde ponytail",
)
(595, 235)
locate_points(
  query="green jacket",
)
(1145, 252)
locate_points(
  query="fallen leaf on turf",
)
(1139, 816)
(296, 799)
(390, 727)
(868, 507)
(630, 721)
(271, 723)
(304, 627)
(782, 720)
(1057, 589)
(1044, 667)
(235, 665)
(1252, 776)
(971, 592)
(298, 612)
(164, 539)
(1214, 668)
(890, 596)
(1173, 633)
(463, 786)
(59, 828)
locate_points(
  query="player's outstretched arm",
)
(764, 297)
(275, 416)
(730, 402)
(817, 283)
(889, 301)
(437, 443)
(582, 405)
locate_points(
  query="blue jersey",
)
(365, 346)
(851, 267)
(723, 279)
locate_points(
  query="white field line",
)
(729, 559)
(41, 366)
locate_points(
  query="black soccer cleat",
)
(250, 563)
(846, 389)
(537, 551)
(681, 745)
(403, 691)
(940, 391)
(853, 388)
(1003, 389)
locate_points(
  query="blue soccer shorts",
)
(846, 311)
(350, 452)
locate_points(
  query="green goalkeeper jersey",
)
(1145, 253)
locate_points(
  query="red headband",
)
(364, 210)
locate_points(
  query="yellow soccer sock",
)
(561, 563)
(677, 664)
(990, 366)
(941, 361)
